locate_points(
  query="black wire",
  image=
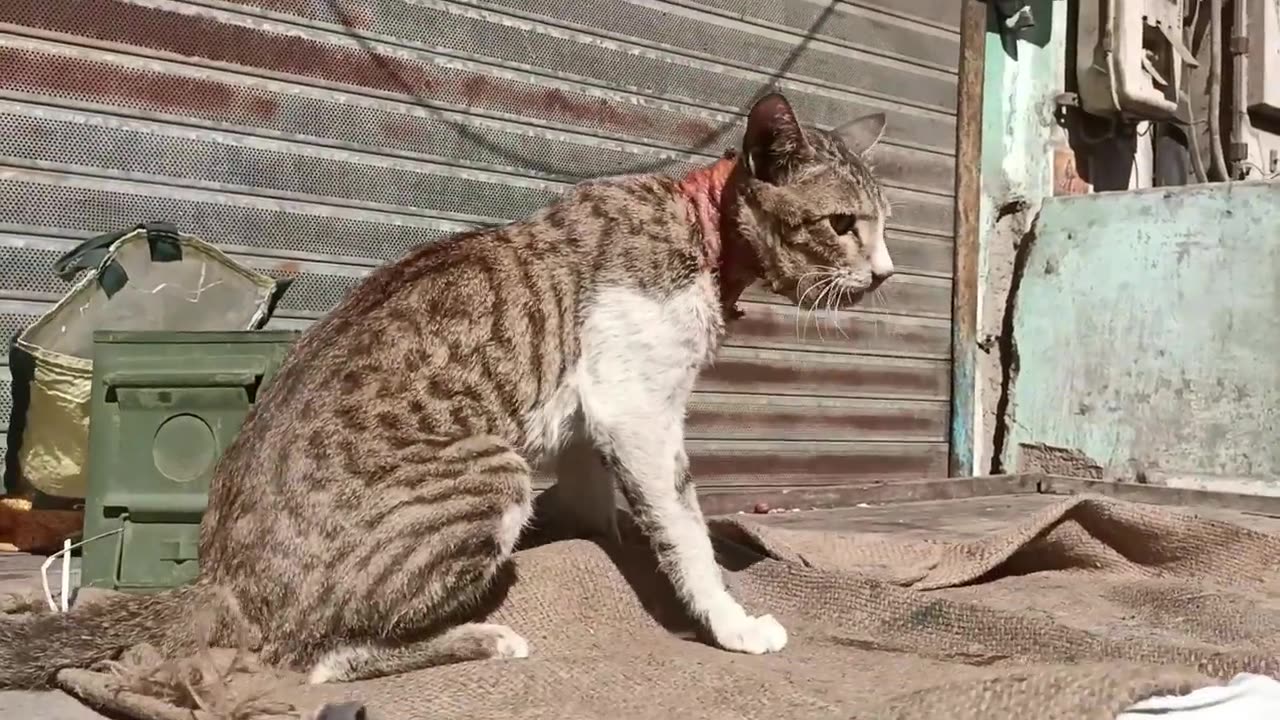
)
(713, 139)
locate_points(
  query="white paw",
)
(752, 635)
(511, 644)
(336, 665)
(320, 675)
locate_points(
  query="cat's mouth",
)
(827, 293)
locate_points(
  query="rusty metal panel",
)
(17, 314)
(780, 372)
(872, 26)
(85, 205)
(786, 328)
(403, 66)
(156, 151)
(325, 115)
(316, 140)
(6, 403)
(719, 463)
(738, 43)
(14, 316)
(716, 416)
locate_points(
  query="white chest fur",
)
(642, 353)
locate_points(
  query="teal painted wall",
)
(1147, 328)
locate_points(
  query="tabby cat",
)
(383, 478)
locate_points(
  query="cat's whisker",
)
(834, 305)
(826, 309)
(832, 319)
(817, 320)
(879, 298)
(800, 303)
(818, 283)
(803, 309)
(816, 306)
(822, 271)
(812, 313)
(840, 298)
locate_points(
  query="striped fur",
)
(383, 479)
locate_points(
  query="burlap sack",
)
(1074, 614)
(146, 278)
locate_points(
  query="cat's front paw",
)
(752, 635)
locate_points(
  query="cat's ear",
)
(773, 138)
(862, 134)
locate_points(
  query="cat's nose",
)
(879, 276)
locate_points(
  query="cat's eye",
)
(842, 224)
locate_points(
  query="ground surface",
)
(954, 519)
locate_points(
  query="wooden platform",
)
(964, 518)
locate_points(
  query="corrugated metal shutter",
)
(318, 138)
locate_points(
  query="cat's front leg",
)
(646, 452)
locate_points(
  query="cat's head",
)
(810, 207)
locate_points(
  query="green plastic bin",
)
(164, 406)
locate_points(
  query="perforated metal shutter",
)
(318, 138)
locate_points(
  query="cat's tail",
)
(33, 649)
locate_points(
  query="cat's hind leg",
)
(464, 643)
(426, 552)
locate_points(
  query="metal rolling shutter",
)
(318, 138)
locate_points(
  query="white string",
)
(65, 552)
(66, 571)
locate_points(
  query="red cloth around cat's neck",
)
(704, 188)
(710, 193)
